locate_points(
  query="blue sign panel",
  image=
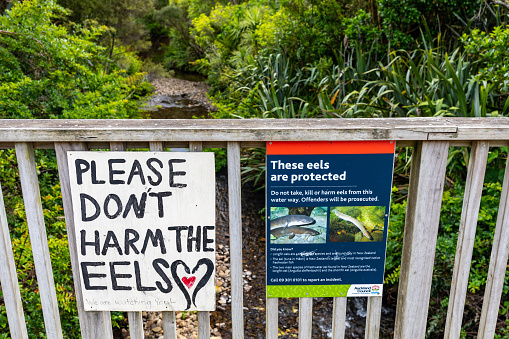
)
(327, 217)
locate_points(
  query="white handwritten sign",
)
(145, 229)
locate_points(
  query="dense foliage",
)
(276, 59)
(49, 71)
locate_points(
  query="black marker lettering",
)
(113, 172)
(94, 175)
(81, 167)
(207, 240)
(174, 174)
(139, 209)
(94, 243)
(111, 241)
(136, 170)
(139, 285)
(191, 239)
(155, 171)
(163, 275)
(129, 243)
(154, 239)
(106, 204)
(160, 196)
(178, 230)
(87, 276)
(115, 276)
(94, 216)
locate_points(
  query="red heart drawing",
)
(189, 282)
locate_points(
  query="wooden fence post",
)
(38, 238)
(498, 265)
(429, 159)
(339, 317)
(466, 238)
(203, 316)
(93, 324)
(9, 279)
(235, 212)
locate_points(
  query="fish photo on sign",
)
(307, 228)
(356, 223)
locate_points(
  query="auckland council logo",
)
(375, 289)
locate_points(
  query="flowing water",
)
(176, 107)
(184, 97)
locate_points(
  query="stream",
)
(181, 97)
(176, 107)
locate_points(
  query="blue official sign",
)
(327, 217)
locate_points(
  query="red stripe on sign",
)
(330, 147)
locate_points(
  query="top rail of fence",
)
(254, 131)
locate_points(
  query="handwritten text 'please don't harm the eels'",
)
(145, 224)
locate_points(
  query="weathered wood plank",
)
(420, 235)
(374, 314)
(203, 325)
(466, 238)
(243, 144)
(93, 325)
(169, 325)
(235, 219)
(305, 318)
(272, 318)
(135, 318)
(339, 318)
(203, 317)
(250, 130)
(38, 238)
(168, 317)
(156, 146)
(9, 279)
(498, 265)
(135, 325)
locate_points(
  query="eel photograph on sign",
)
(356, 223)
(286, 228)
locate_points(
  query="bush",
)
(47, 73)
(444, 257)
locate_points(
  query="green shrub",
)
(445, 253)
(491, 51)
(45, 72)
(57, 243)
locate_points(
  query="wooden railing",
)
(430, 138)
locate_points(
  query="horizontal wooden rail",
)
(431, 138)
(254, 130)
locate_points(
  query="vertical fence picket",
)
(203, 317)
(339, 318)
(9, 279)
(93, 324)
(169, 325)
(235, 217)
(427, 176)
(498, 265)
(374, 312)
(135, 325)
(135, 317)
(305, 318)
(271, 312)
(168, 317)
(466, 238)
(38, 238)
